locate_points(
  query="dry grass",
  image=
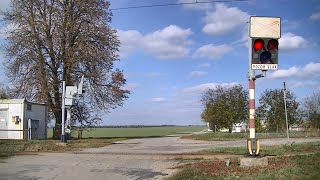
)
(12, 147)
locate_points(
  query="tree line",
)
(224, 106)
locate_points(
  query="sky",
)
(171, 55)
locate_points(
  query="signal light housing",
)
(264, 54)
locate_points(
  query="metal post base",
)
(63, 139)
(253, 146)
(68, 136)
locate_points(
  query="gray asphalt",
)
(146, 158)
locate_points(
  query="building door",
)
(34, 128)
(3, 124)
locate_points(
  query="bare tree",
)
(83, 116)
(61, 40)
(4, 92)
(311, 106)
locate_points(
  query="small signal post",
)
(264, 33)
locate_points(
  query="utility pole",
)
(285, 108)
(63, 107)
(69, 94)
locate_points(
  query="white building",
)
(237, 127)
(20, 119)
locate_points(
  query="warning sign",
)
(265, 27)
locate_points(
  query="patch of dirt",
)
(220, 168)
(72, 145)
(16, 146)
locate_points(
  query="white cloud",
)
(284, 73)
(189, 4)
(212, 52)
(197, 73)
(204, 65)
(199, 89)
(224, 19)
(132, 86)
(315, 16)
(297, 84)
(168, 43)
(129, 41)
(310, 70)
(155, 74)
(158, 99)
(290, 42)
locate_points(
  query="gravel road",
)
(146, 158)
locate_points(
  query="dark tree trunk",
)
(58, 124)
(230, 129)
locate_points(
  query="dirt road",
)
(148, 158)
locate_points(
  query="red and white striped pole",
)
(253, 144)
(252, 109)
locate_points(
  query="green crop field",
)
(135, 132)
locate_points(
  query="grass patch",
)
(190, 173)
(225, 136)
(283, 167)
(310, 147)
(303, 163)
(134, 132)
(218, 136)
(226, 150)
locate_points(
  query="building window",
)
(29, 107)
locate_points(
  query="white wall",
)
(15, 110)
(4, 117)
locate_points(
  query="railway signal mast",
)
(264, 33)
(69, 95)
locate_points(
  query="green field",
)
(134, 132)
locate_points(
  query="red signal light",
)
(272, 44)
(258, 44)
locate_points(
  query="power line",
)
(176, 4)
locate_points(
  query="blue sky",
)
(171, 55)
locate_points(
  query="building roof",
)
(12, 101)
(16, 101)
